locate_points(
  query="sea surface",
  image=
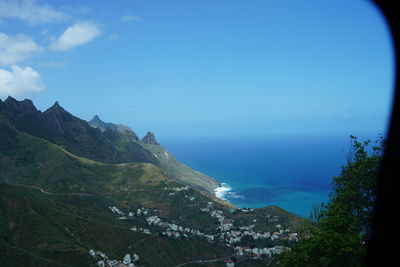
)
(291, 172)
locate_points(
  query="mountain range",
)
(77, 193)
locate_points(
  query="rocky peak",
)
(10, 100)
(55, 108)
(123, 130)
(149, 139)
(96, 122)
(64, 122)
(28, 105)
(96, 118)
(25, 106)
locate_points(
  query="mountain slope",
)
(180, 171)
(56, 207)
(96, 122)
(76, 135)
(174, 168)
(31, 160)
(99, 141)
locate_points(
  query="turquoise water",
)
(291, 172)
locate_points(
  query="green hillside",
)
(173, 168)
(180, 171)
(57, 207)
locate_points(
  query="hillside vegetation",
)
(180, 171)
(342, 227)
(62, 209)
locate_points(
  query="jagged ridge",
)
(76, 135)
(174, 168)
(55, 207)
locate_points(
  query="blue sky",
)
(203, 68)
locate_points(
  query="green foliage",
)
(54, 205)
(59, 229)
(342, 227)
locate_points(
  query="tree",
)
(342, 226)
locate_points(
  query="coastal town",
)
(239, 238)
(103, 260)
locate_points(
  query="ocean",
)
(291, 172)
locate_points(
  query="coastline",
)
(224, 191)
(277, 171)
(250, 198)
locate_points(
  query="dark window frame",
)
(383, 245)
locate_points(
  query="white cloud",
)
(29, 11)
(129, 18)
(20, 82)
(14, 49)
(78, 34)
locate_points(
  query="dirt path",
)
(55, 194)
(81, 194)
(206, 261)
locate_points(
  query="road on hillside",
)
(206, 261)
(79, 194)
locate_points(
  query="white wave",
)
(224, 192)
(221, 191)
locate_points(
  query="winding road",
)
(79, 194)
(124, 189)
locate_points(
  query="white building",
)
(127, 259)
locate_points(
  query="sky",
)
(203, 68)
